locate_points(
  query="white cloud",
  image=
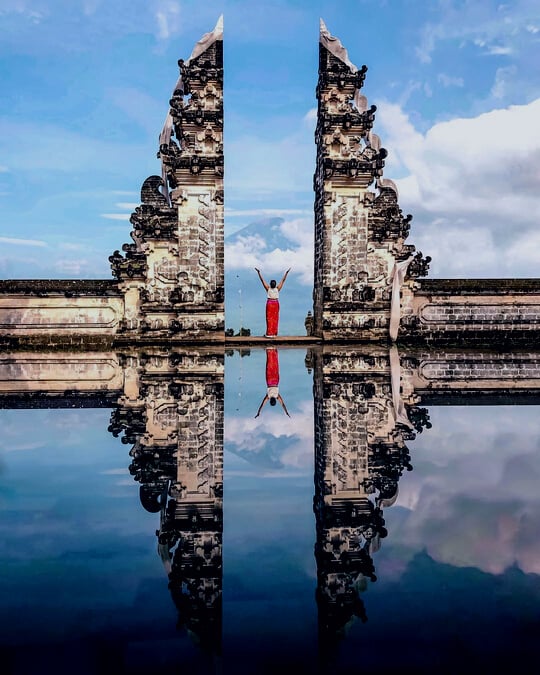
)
(503, 77)
(116, 216)
(24, 446)
(499, 50)
(22, 242)
(497, 29)
(247, 252)
(68, 246)
(167, 18)
(90, 7)
(450, 81)
(472, 186)
(250, 436)
(75, 267)
(310, 118)
(131, 206)
(23, 8)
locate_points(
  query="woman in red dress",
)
(272, 303)
(272, 381)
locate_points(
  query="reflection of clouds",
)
(288, 439)
(32, 429)
(12, 447)
(473, 496)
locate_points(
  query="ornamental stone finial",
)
(207, 40)
(334, 46)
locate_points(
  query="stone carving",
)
(359, 233)
(177, 255)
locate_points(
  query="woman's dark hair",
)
(273, 400)
(273, 283)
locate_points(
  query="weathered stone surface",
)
(359, 232)
(173, 274)
(53, 314)
(476, 312)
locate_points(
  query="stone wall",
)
(49, 312)
(172, 274)
(360, 231)
(367, 280)
(472, 312)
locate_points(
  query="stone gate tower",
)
(360, 250)
(172, 276)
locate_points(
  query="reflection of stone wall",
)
(360, 454)
(173, 417)
(366, 402)
(38, 372)
(435, 374)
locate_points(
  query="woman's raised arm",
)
(280, 285)
(263, 282)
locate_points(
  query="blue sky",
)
(86, 87)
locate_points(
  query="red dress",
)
(272, 314)
(272, 367)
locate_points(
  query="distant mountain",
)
(245, 298)
(268, 229)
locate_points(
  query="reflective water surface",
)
(323, 509)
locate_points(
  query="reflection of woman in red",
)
(272, 303)
(272, 381)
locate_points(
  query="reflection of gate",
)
(367, 407)
(168, 406)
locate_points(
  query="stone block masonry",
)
(367, 279)
(360, 232)
(477, 312)
(59, 312)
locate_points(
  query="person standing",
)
(272, 303)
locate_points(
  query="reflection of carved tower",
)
(172, 276)
(359, 457)
(359, 234)
(176, 426)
